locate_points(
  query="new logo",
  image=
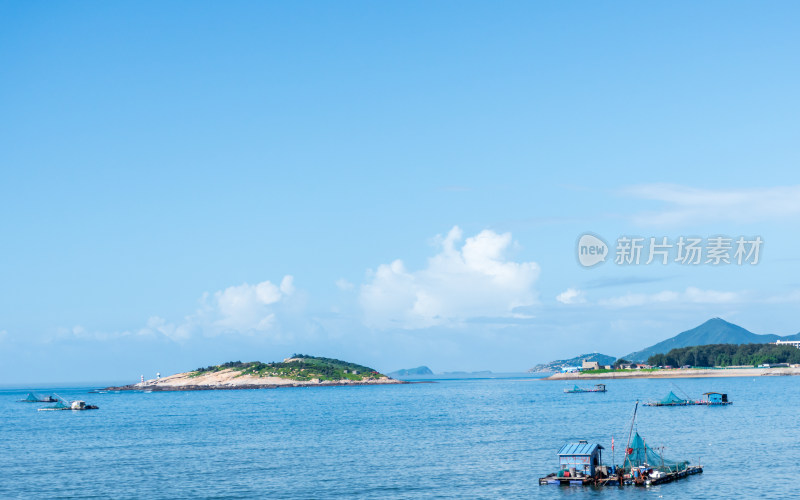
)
(591, 250)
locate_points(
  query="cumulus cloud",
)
(245, 307)
(691, 295)
(571, 296)
(463, 281)
(686, 204)
(241, 309)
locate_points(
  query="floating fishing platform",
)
(581, 464)
(709, 399)
(597, 388)
(641, 477)
(74, 405)
(33, 398)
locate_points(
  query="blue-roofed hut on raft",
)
(580, 457)
(716, 398)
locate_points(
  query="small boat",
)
(597, 388)
(33, 398)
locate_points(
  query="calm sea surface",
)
(451, 439)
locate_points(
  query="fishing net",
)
(672, 399)
(640, 453)
(32, 398)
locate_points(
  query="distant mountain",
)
(482, 372)
(420, 370)
(713, 331)
(557, 365)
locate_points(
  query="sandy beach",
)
(678, 373)
(233, 379)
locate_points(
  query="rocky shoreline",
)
(229, 379)
(159, 388)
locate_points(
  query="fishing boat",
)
(597, 388)
(33, 398)
(581, 464)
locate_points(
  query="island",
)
(300, 370)
(412, 372)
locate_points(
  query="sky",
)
(393, 184)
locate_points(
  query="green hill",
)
(301, 367)
(411, 372)
(713, 331)
(728, 355)
(557, 365)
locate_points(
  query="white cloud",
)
(686, 204)
(245, 307)
(472, 280)
(571, 296)
(640, 299)
(691, 295)
(697, 296)
(81, 333)
(793, 296)
(242, 309)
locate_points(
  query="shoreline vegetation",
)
(300, 370)
(725, 355)
(709, 360)
(675, 373)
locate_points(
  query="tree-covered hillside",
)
(713, 331)
(557, 365)
(727, 355)
(299, 367)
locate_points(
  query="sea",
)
(450, 438)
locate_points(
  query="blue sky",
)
(187, 183)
